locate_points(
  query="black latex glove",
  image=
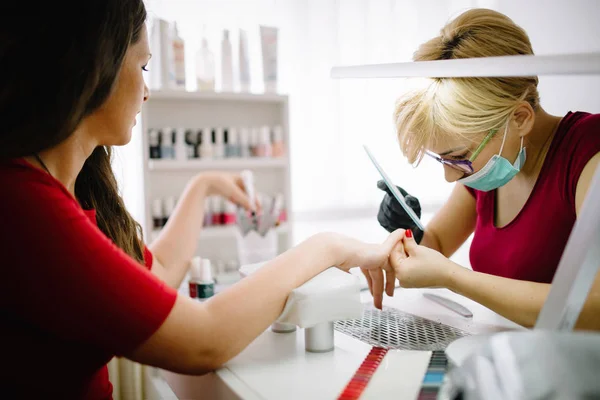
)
(392, 216)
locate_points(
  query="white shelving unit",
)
(196, 110)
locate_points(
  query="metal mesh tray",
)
(394, 329)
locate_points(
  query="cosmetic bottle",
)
(154, 138)
(217, 210)
(178, 58)
(244, 149)
(190, 144)
(205, 287)
(226, 63)
(167, 150)
(229, 215)
(206, 147)
(263, 149)
(195, 276)
(207, 212)
(181, 147)
(219, 143)
(254, 139)
(198, 143)
(244, 62)
(205, 66)
(232, 149)
(278, 145)
(268, 37)
(157, 214)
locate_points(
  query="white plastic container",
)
(178, 59)
(226, 63)
(268, 38)
(205, 67)
(244, 62)
(253, 248)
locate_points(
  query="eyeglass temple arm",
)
(482, 145)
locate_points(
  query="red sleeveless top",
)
(530, 246)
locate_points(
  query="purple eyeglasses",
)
(465, 166)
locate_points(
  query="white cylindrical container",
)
(319, 338)
(279, 327)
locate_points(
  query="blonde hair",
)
(464, 107)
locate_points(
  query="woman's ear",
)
(524, 117)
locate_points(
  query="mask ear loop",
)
(504, 140)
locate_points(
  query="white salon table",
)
(276, 366)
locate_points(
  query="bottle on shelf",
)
(219, 143)
(207, 212)
(191, 141)
(229, 215)
(245, 143)
(157, 214)
(181, 147)
(254, 139)
(233, 148)
(263, 148)
(206, 147)
(178, 54)
(154, 139)
(205, 66)
(167, 147)
(217, 211)
(278, 145)
(226, 63)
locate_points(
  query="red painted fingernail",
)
(408, 233)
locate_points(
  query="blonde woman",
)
(521, 176)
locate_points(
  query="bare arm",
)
(453, 224)
(178, 240)
(522, 301)
(199, 337)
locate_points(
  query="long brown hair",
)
(56, 70)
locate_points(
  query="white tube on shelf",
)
(268, 38)
(226, 63)
(244, 62)
(505, 66)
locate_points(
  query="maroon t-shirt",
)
(70, 299)
(530, 247)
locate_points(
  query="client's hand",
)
(373, 260)
(226, 184)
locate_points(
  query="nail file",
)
(363, 375)
(450, 304)
(395, 190)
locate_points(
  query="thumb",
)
(410, 244)
(382, 186)
(240, 197)
(392, 240)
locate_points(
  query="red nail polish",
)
(408, 233)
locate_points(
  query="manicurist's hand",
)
(419, 266)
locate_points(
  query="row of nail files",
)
(217, 210)
(215, 143)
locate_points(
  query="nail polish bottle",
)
(195, 276)
(157, 214)
(205, 287)
(207, 212)
(198, 143)
(206, 147)
(244, 143)
(229, 216)
(219, 143)
(217, 211)
(169, 207)
(191, 143)
(154, 143)
(232, 143)
(166, 143)
(278, 146)
(263, 149)
(254, 139)
(181, 147)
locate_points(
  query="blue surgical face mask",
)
(497, 172)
